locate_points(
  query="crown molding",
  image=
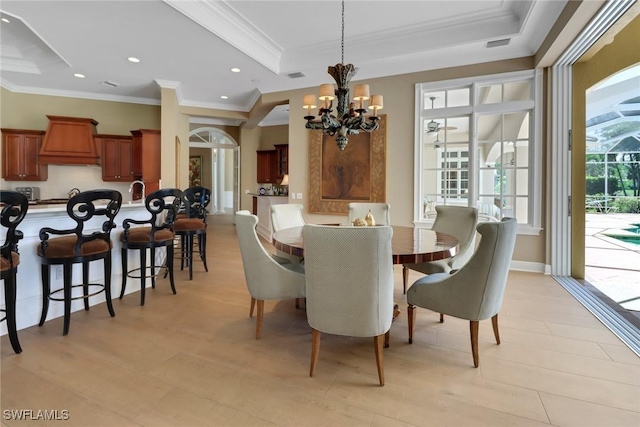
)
(76, 94)
(220, 18)
(19, 66)
(168, 84)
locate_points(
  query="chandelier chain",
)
(342, 44)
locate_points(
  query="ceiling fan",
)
(433, 127)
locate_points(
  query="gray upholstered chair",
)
(349, 284)
(380, 212)
(459, 222)
(267, 279)
(286, 216)
(475, 291)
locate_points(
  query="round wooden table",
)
(409, 245)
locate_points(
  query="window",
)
(477, 145)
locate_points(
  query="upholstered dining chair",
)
(267, 279)
(459, 222)
(474, 292)
(14, 209)
(380, 212)
(79, 246)
(286, 216)
(349, 274)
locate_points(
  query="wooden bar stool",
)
(156, 232)
(14, 209)
(78, 246)
(193, 222)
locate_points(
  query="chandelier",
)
(350, 116)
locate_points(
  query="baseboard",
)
(531, 267)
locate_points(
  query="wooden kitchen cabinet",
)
(117, 157)
(282, 161)
(20, 155)
(146, 157)
(267, 167)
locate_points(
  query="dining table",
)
(409, 245)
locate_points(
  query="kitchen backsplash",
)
(64, 178)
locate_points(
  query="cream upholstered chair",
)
(286, 216)
(266, 278)
(380, 212)
(475, 291)
(459, 222)
(349, 284)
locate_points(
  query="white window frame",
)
(534, 226)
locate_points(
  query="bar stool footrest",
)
(98, 285)
(161, 269)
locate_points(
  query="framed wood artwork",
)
(357, 174)
(195, 170)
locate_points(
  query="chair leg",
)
(143, 266)
(85, 284)
(259, 318)
(377, 341)
(107, 284)
(494, 323)
(10, 307)
(297, 302)
(182, 252)
(315, 350)
(386, 339)
(202, 242)
(405, 278)
(169, 264)
(190, 254)
(253, 305)
(473, 326)
(123, 253)
(411, 319)
(67, 278)
(441, 318)
(153, 268)
(46, 290)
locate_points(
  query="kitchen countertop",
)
(268, 195)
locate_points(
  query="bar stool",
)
(156, 232)
(193, 222)
(15, 206)
(79, 246)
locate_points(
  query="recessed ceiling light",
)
(5, 20)
(235, 70)
(224, 97)
(133, 59)
(78, 75)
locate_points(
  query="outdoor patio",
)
(612, 265)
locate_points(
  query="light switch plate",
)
(299, 195)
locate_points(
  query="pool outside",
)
(613, 265)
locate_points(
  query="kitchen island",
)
(29, 282)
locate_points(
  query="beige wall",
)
(622, 53)
(273, 135)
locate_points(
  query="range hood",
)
(69, 141)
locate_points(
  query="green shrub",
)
(627, 204)
(595, 185)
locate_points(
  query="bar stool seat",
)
(15, 206)
(77, 246)
(156, 232)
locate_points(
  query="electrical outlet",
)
(246, 191)
(299, 195)
(58, 269)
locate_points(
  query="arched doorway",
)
(217, 154)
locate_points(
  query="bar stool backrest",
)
(14, 209)
(163, 205)
(197, 198)
(82, 208)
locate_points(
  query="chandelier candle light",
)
(350, 119)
